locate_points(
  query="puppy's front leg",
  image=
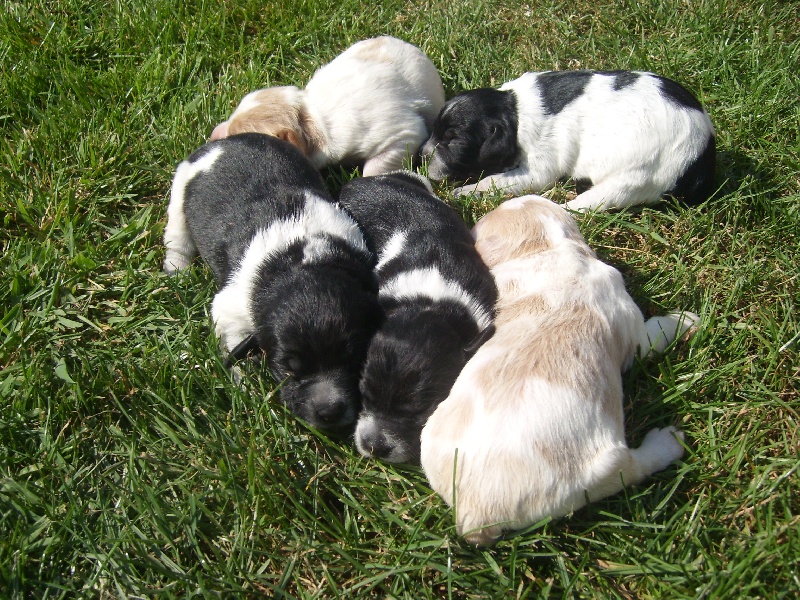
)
(386, 162)
(232, 318)
(178, 240)
(660, 332)
(512, 182)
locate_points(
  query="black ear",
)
(241, 350)
(499, 152)
(479, 339)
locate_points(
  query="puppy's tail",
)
(660, 332)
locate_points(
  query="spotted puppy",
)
(294, 269)
(626, 137)
(374, 104)
(438, 298)
(534, 424)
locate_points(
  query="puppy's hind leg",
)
(615, 193)
(660, 332)
(178, 240)
(660, 448)
(623, 466)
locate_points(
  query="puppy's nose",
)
(377, 446)
(330, 404)
(331, 410)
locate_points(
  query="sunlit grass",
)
(133, 465)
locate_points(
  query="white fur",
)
(394, 248)
(533, 426)
(177, 237)
(430, 283)
(230, 309)
(374, 103)
(368, 428)
(631, 143)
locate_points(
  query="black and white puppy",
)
(438, 298)
(294, 269)
(631, 136)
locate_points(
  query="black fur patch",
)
(242, 350)
(677, 94)
(697, 183)
(622, 79)
(559, 88)
(475, 134)
(583, 185)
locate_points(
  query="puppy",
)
(534, 426)
(373, 104)
(629, 137)
(294, 269)
(438, 298)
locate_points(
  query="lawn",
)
(133, 465)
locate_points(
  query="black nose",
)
(331, 410)
(377, 446)
(331, 405)
(371, 442)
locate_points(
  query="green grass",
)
(132, 465)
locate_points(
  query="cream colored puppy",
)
(533, 426)
(373, 105)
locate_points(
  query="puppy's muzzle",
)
(427, 148)
(373, 441)
(329, 406)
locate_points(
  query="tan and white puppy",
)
(374, 104)
(533, 426)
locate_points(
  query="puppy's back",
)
(533, 426)
(253, 180)
(400, 201)
(423, 85)
(411, 229)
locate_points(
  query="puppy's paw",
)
(175, 261)
(583, 204)
(465, 189)
(663, 446)
(688, 323)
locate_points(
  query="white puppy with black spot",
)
(438, 299)
(534, 426)
(626, 137)
(294, 271)
(374, 104)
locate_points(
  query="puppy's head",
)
(316, 330)
(522, 227)
(275, 111)
(411, 365)
(475, 134)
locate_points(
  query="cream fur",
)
(533, 426)
(373, 104)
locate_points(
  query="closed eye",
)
(447, 136)
(292, 365)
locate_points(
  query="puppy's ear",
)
(499, 151)
(220, 131)
(241, 350)
(490, 248)
(479, 339)
(296, 138)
